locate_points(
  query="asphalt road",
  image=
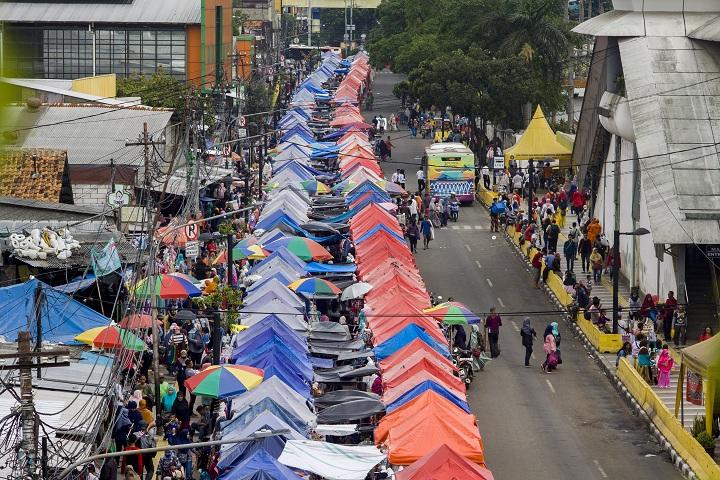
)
(570, 424)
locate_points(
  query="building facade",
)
(647, 145)
(68, 40)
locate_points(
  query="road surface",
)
(570, 424)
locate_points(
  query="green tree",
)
(258, 97)
(156, 90)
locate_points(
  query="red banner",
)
(694, 393)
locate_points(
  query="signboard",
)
(118, 198)
(242, 122)
(694, 393)
(191, 231)
(242, 132)
(498, 163)
(192, 249)
(712, 251)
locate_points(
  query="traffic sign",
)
(242, 132)
(118, 198)
(242, 122)
(192, 249)
(498, 163)
(191, 231)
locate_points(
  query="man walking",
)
(570, 250)
(420, 180)
(486, 177)
(493, 322)
(552, 232)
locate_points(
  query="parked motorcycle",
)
(463, 361)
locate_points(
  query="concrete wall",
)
(88, 194)
(651, 275)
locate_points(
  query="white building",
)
(652, 102)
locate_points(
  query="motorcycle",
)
(462, 359)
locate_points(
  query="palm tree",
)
(534, 31)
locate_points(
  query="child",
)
(665, 365)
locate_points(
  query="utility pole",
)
(616, 237)
(531, 175)
(309, 14)
(27, 454)
(146, 142)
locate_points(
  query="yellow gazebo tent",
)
(704, 359)
(538, 142)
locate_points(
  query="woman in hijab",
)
(550, 348)
(136, 397)
(647, 306)
(477, 345)
(665, 365)
(527, 333)
(168, 399)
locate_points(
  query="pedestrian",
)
(388, 147)
(528, 334)
(585, 250)
(477, 345)
(537, 265)
(493, 322)
(420, 174)
(550, 348)
(624, 352)
(109, 470)
(401, 179)
(570, 250)
(669, 308)
(679, 327)
(665, 365)
(413, 232)
(181, 409)
(596, 262)
(130, 473)
(553, 233)
(593, 230)
(706, 334)
(486, 177)
(426, 228)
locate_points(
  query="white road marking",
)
(467, 227)
(552, 389)
(467, 247)
(489, 282)
(501, 302)
(517, 329)
(455, 227)
(600, 469)
(478, 227)
(477, 262)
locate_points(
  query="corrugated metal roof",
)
(179, 12)
(622, 23)
(673, 85)
(90, 134)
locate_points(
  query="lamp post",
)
(616, 272)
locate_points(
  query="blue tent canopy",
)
(270, 405)
(278, 218)
(273, 445)
(276, 346)
(263, 464)
(374, 230)
(315, 268)
(62, 317)
(268, 338)
(421, 387)
(366, 186)
(286, 256)
(405, 336)
(275, 364)
(279, 276)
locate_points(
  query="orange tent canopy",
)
(391, 394)
(443, 464)
(423, 424)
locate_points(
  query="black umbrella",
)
(359, 372)
(185, 315)
(342, 396)
(319, 227)
(207, 236)
(350, 411)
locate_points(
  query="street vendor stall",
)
(702, 360)
(538, 143)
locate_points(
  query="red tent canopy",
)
(419, 356)
(407, 351)
(353, 164)
(444, 464)
(423, 424)
(385, 328)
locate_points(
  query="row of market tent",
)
(293, 350)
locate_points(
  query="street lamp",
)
(616, 272)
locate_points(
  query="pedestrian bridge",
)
(331, 3)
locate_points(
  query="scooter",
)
(462, 359)
(454, 210)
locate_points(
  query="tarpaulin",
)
(443, 464)
(261, 463)
(331, 461)
(393, 402)
(405, 336)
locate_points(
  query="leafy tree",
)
(258, 97)
(156, 90)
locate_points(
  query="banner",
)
(106, 260)
(694, 392)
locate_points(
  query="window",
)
(65, 52)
